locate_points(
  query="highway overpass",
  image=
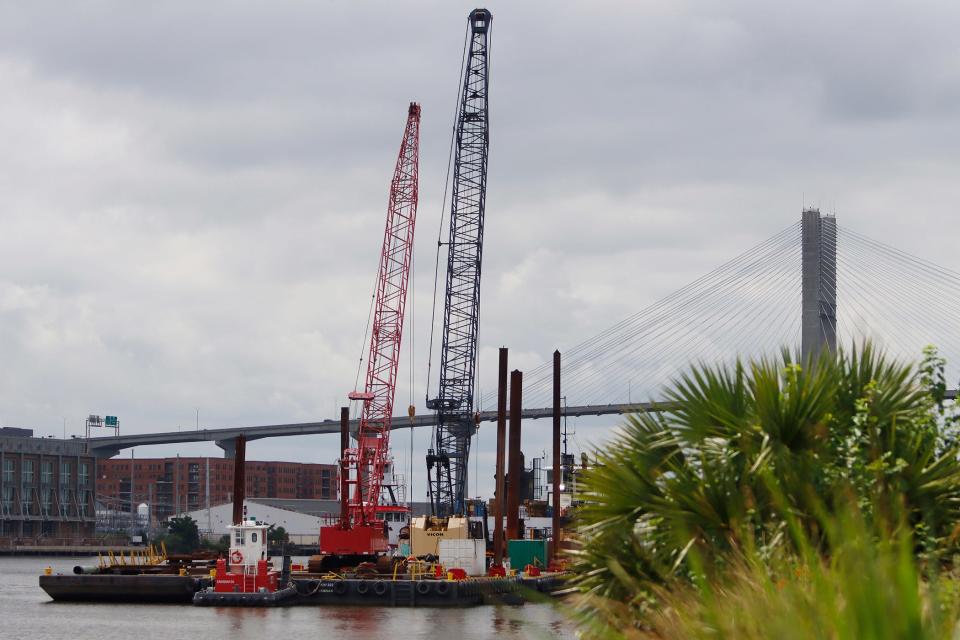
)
(109, 446)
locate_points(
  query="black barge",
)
(407, 593)
(123, 588)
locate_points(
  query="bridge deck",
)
(109, 446)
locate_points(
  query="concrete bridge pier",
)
(229, 447)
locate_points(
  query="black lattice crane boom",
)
(456, 424)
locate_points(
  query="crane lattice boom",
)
(447, 461)
(364, 465)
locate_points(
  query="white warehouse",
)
(302, 528)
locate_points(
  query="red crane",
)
(358, 532)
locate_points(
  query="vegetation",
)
(221, 545)
(755, 471)
(869, 587)
(183, 535)
(277, 535)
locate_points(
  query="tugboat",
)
(248, 580)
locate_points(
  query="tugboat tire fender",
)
(363, 587)
(441, 588)
(340, 587)
(423, 588)
(379, 587)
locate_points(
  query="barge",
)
(406, 592)
(143, 588)
(308, 590)
(246, 578)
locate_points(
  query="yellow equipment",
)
(426, 532)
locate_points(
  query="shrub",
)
(687, 494)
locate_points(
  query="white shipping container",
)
(469, 555)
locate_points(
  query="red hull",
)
(238, 582)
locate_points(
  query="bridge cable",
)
(579, 352)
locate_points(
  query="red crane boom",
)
(359, 532)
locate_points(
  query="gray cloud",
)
(193, 196)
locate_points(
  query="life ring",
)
(441, 587)
(362, 587)
(423, 587)
(379, 587)
(236, 557)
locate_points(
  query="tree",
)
(762, 455)
(277, 535)
(221, 545)
(183, 535)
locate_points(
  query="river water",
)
(26, 612)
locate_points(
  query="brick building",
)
(176, 485)
(46, 487)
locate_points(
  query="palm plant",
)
(749, 448)
(870, 586)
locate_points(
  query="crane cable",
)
(411, 409)
(443, 207)
(366, 334)
(477, 391)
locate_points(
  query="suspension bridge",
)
(813, 285)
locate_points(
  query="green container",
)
(524, 552)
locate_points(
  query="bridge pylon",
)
(818, 330)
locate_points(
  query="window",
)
(27, 468)
(7, 498)
(64, 502)
(26, 504)
(253, 536)
(8, 470)
(64, 473)
(46, 500)
(46, 472)
(84, 472)
(84, 503)
(238, 538)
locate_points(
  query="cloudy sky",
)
(192, 194)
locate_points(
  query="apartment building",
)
(47, 487)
